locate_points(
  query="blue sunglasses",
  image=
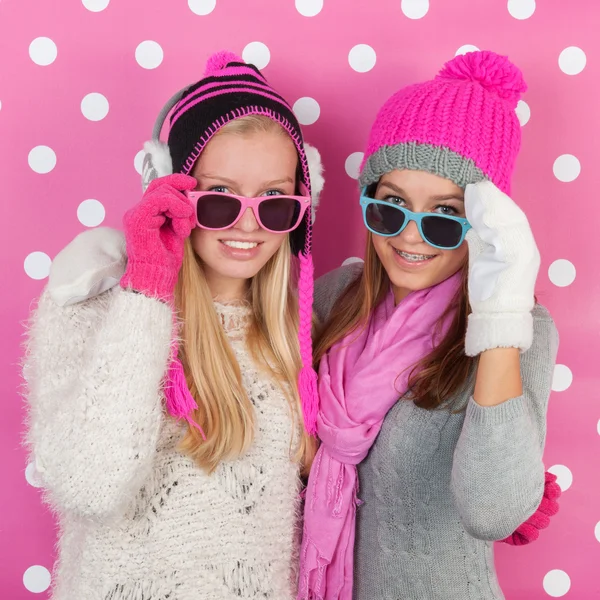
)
(386, 219)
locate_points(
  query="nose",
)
(248, 222)
(411, 234)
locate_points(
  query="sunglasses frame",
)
(253, 203)
(409, 215)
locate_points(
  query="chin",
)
(237, 270)
(413, 282)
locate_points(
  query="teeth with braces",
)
(414, 257)
(240, 245)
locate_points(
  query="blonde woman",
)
(166, 419)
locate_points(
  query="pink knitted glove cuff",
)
(154, 281)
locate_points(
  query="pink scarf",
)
(360, 379)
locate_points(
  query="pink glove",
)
(155, 231)
(530, 530)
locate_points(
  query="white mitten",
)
(503, 266)
(91, 264)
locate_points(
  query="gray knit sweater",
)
(440, 486)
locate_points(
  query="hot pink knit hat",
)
(461, 125)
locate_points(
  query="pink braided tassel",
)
(180, 402)
(530, 530)
(309, 394)
(307, 380)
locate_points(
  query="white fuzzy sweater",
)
(138, 520)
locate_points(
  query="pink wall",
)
(44, 88)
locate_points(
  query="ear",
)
(315, 170)
(157, 162)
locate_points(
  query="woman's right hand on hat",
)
(155, 232)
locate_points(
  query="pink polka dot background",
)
(82, 81)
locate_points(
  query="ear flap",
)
(157, 162)
(315, 170)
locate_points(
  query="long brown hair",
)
(213, 375)
(439, 375)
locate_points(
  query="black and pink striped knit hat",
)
(229, 90)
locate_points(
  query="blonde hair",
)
(225, 412)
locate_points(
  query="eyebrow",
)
(234, 183)
(436, 198)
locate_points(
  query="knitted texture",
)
(138, 519)
(530, 530)
(438, 486)
(460, 125)
(155, 231)
(307, 382)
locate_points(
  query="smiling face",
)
(411, 263)
(251, 164)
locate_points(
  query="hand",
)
(503, 267)
(155, 231)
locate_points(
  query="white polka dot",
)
(91, 213)
(564, 477)
(598, 427)
(572, 60)
(43, 51)
(557, 583)
(94, 107)
(352, 260)
(307, 110)
(562, 378)
(257, 54)
(521, 9)
(149, 54)
(597, 531)
(202, 7)
(352, 164)
(523, 112)
(0, 104)
(32, 476)
(42, 159)
(37, 265)
(138, 161)
(96, 5)
(415, 9)
(566, 168)
(309, 8)
(37, 579)
(362, 58)
(562, 272)
(466, 48)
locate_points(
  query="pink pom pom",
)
(494, 72)
(219, 61)
(180, 402)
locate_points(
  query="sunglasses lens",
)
(441, 232)
(217, 212)
(384, 219)
(279, 213)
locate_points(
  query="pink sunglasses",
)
(277, 214)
